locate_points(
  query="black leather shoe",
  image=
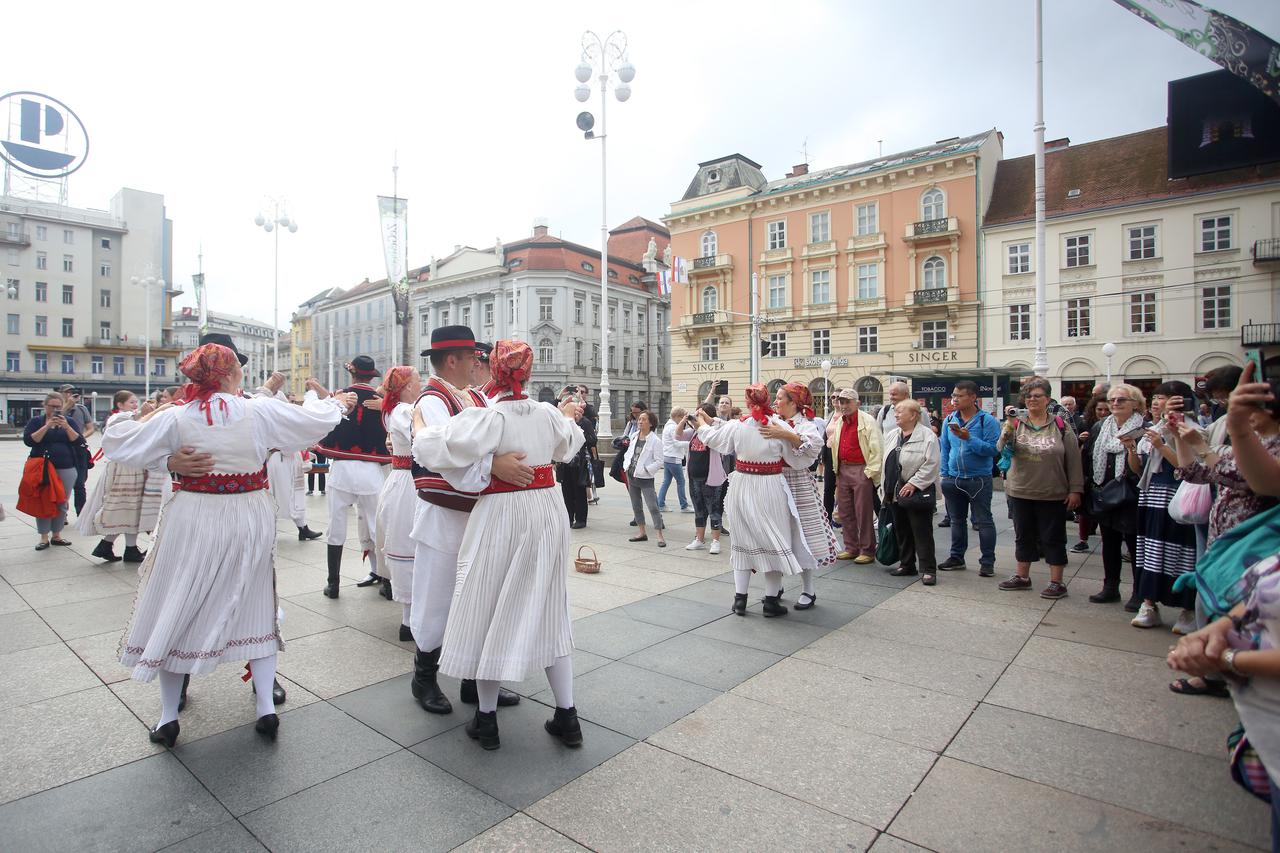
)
(335, 563)
(133, 555)
(769, 604)
(577, 525)
(386, 588)
(369, 580)
(1105, 596)
(484, 728)
(467, 693)
(278, 696)
(182, 697)
(166, 734)
(740, 603)
(951, 564)
(406, 635)
(306, 534)
(1132, 605)
(902, 572)
(106, 551)
(267, 725)
(424, 686)
(805, 601)
(565, 726)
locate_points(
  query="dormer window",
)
(515, 262)
(613, 273)
(713, 176)
(587, 266)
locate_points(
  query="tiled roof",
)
(637, 222)
(1123, 170)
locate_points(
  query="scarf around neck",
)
(1109, 442)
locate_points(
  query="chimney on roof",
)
(798, 170)
(1057, 144)
(540, 227)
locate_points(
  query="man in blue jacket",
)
(968, 448)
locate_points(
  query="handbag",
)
(887, 548)
(1246, 766)
(1190, 504)
(926, 498)
(597, 472)
(1112, 496)
(615, 468)
(586, 565)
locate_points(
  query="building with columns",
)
(872, 266)
(253, 338)
(347, 323)
(302, 344)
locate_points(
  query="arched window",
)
(935, 273)
(546, 395)
(709, 244)
(703, 390)
(545, 351)
(870, 392)
(774, 385)
(933, 205)
(710, 298)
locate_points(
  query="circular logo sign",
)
(42, 136)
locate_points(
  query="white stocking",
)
(772, 583)
(111, 537)
(741, 582)
(806, 576)
(170, 693)
(560, 677)
(404, 616)
(487, 693)
(264, 679)
(131, 540)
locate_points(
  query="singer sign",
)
(43, 137)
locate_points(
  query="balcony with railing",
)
(137, 344)
(1260, 334)
(708, 263)
(932, 297)
(15, 238)
(1266, 251)
(932, 229)
(824, 249)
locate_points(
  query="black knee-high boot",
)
(424, 686)
(335, 563)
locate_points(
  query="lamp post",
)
(147, 282)
(826, 386)
(93, 406)
(601, 57)
(267, 222)
(1108, 351)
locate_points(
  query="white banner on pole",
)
(393, 215)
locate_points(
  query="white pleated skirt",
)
(207, 594)
(397, 503)
(510, 611)
(766, 534)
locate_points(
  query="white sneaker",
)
(1186, 622)
(715, 547)
(695, 545)
(1148, 616)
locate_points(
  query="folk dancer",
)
(285, 470)
(401, 388)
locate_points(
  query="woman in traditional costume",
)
(510, 610)
(773, 543)
(398, 499)
(125, 500)
(207, 594)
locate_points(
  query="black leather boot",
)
(133, 555)
(740, 603)
(769, 604)
(565, 726)
(1110, 586)
(278, 696)
(182, 697)
(106, 551)
(335, 563)
(484, 728)
(305, 533)
(406, 634)
(424, 686)
(267, 726)
(386, 588)
(468, 694)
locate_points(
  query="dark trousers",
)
(1039, 529)
(575, 497)
(828, 483)
(1087, 526)
(913, 529)
(708, 502)
(311, 480)
(82, 476)
(1112, 538)
(965, 497)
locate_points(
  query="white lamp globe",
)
(626, 72)
(582, 93)
(270, 226)
(293, 227)
(161, 282)
(583, 72)
(133, 280)
(284, 220)
(623, 92)
(1108, 349)
(259, 220)
(826, 365)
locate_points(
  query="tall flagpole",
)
(1040, 363)
(395, 210)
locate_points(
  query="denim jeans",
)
(708, 503)
(966, 496)
(672, 471)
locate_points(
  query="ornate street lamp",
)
(267, 222)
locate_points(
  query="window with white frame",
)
(11, 362)
(424, 318)
(42, 232)
(777, 345)
(68, 363)
(820, 227)
(1019, 259)
(709, 244)
(42, 260)
(444, 316)
(710, 349)
(822, 342)
(778, 234)
(1142, 242)
(626, 359)
(820, 287)
(68, 327)
(42, 326)
(42, 361)
(42, 291)
(933, 334)
(68, 294)
(13, 288)
(1215, 306)
(68, 263)
(1215, 232)
(464, 318)
(488, 313)
(595, 314)
(777, 291)
(1080, 317)
(641, 365)
(68, 236)
(139, 366)
(1079, 250)
(104, 269)
(1020, 322)
(160, 367)
(117, 365)
(933, 205)
(95, 365)
(595, 356)
(577, 353)
(934, 273)
(868, 339)
(104, 331)
(613, 319)
(106, 243)
(577, 312)
(613, 356)
(868, 281)
(626, 318)
(14, 326)
(544, 307)
(710, 298)
(546, 352)
(511, 310)
(868, 218)
(640, 321)
(1142, 312)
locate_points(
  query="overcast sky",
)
(310, 101)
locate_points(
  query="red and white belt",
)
(402, 463)
(544, 477)
(223, 484)
(742, 467)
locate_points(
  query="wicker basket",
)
(586, 565)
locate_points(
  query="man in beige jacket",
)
(856, 456)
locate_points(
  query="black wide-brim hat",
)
(448, 338)
(362, 365)
(224, 340)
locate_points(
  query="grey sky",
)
(310, 101)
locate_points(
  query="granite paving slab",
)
(85, 618)
(826, 614)
(600, 596)
(778, 635)
(100, 652)
(713, 592)
(42, 673)
(300, 621)
(631, 700)
(10, 601)
(886, 843)
(1107, 628)
(872, 573)
(942, 635)
(925, 601)
(703, 660)
(647, 799)
(1116, 668)
(389, 708)
(669, 611)
(336, 662)
(615, 635)
(227, 837)
(48, 593)
(24, 629)
(650, 576)
(852, 592)
(19, 569)
(520, 833)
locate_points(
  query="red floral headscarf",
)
(392, 384)
(758, 400)
(206, 366)
(799, 394)
(511, 363)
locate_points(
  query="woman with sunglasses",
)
(1113, 453)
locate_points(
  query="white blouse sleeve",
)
(136, 444)
(719, 436)
(400, 422)
(810, 445)
(454, 449)
(283, 426)
(568, 435)
(470, 478)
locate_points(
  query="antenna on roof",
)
(879, 147)
(804, 150)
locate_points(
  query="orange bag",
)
(41, 489)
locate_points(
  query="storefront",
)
(933, 388)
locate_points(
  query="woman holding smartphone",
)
(54, 435)
(1109, 449)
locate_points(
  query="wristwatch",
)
(1229, 662)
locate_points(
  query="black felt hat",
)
(448, 338)
(224, 340)
(362, 365)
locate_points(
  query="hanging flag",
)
(393, 214)
(197, 281)
(682, 270)
(1231, 43)
(664, 283)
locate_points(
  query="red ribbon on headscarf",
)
(510, 363)
(206, 366)
(392, 384)
(800, 395)
(758, 400)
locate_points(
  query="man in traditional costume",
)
(358, 448)
(511, 603)
(440, 518)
